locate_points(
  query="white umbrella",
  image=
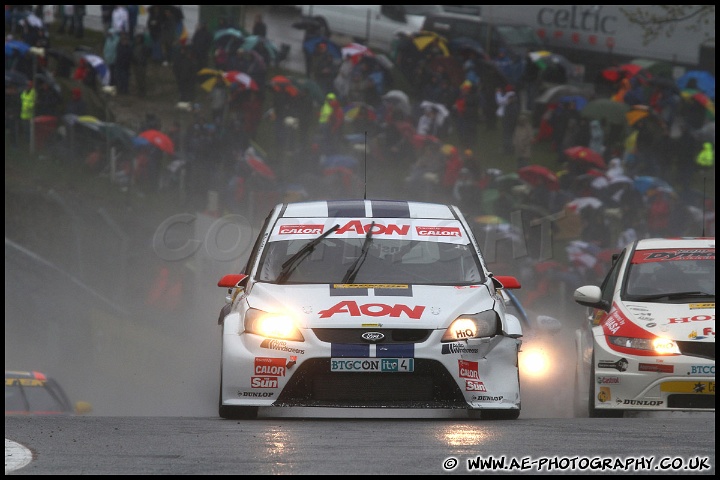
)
(100, 67)
(583, 202)
(399, 98)
(442, 111)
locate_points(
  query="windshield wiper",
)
(355, 267)
(292, 262)
(676, 295)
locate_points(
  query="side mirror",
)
(590, 296)
(232, 280)
(513, 329)
(505, 281)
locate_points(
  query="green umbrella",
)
(605, 109)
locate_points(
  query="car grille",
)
(689, 400)
(353, 335)
(429, 386)
(697, 349)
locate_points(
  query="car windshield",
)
(422, 9)
(693, 275)
(518, 35)
(384, 261)
(33, 397)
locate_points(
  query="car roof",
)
(688, 242)
(25, 374)
(367, 209)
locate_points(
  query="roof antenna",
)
(703, 210)
(365, 162)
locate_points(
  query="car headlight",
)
(657, 345)
(272, 325)
(534, 362)
(478, 325)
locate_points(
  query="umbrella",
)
(462, 45)
(425, 39)
(606, 109)
(226, 37)
(637, 113)
(13, 46)
(33, 20)
(579, 101)
(309, 45)
(644, 184)
(627, 70)
(441, 110)
(258, 44)
(356, 108)
(309, 87)
(98, 64)
(356, 51)
(657, 68)
(507, 180)
(586, 156)
(257, 163)
(537, 175)
(210, 77)
(553, 94)
(704, 81)
(577, 204)
(399, 99)
(159, 140)
(244, 80)
(281, 83)
(702, 99)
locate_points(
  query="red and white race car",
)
(650, 341)
(368, 303)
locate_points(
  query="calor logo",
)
(300, 229)
(438, 231)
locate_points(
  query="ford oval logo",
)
(373, 336)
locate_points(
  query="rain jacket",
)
(706, 157)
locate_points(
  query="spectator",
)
(185, 71)
(79, 13)
(67, 19)
(508, 111)
(201, 43)
(467, 115)
(76, 105)
(259, 26)
(106, 12)
(523, 140)
(86, 74)
(27, 113)
(120, 19)
(123, 64)
(142, 52)
(133, 12)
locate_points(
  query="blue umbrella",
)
(310, 43)
(705, 82)
(644, 183)
(16, 46)
(579, 100)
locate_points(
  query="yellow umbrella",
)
(637, 113)
(213, 77)
(425, 39)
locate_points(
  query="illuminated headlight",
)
(534, 362)
(659, 345)
(272, 325)
(483, 324)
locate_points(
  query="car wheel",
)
(494, 414)
(592, 411)
(234, 412)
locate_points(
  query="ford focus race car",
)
(651, 341)
(367, 303)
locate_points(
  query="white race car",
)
(368, 303)
(650, 344)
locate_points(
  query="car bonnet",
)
(377, 305)
(691, 321)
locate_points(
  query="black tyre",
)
(494, 414)
(595, 412)
(238, 413)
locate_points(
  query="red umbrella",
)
(160, 140)
(628, 70)
(243, 79)
(586, 156)
(539, 175)
(281, 83)
(356, 51)
(256, 162)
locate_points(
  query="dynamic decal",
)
(352, 308)
(365, 289)
(449, 348)
(648, 256)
